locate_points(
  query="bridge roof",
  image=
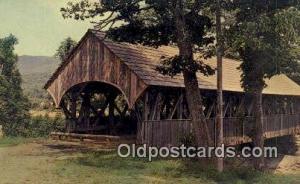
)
(143, 60)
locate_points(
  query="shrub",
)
(42, 126)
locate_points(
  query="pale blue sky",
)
(38, 25)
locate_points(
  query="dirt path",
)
(288, 164)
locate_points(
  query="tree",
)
(156, 23)
(293, 70)
(65, 48)
(265, 35)
(14, 106)
(294, 73)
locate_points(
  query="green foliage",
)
(294, 74)
(174, 65)
(152, 23)
(266, 36)
(13, 104)
(42, 126)
(65, 48)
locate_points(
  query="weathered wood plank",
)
(95, 62)
(170, 131)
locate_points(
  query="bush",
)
(42, 126)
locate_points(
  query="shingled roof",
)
(143, 61)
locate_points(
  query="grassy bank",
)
(67, 163)
(13, 141)
(107, 167)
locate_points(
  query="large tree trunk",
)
(258, 138)
(253, 83)
(190, 80)
(195, 105)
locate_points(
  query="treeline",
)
(14, 105)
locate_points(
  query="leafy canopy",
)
(265, 35)
(65, 48)
(151, 23)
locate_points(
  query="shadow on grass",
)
(68, 148)
(109, 161)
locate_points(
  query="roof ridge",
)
(138, 45)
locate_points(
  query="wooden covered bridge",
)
(113, 88)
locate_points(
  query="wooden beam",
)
(238, 106)
(66, 111)
(111, 109)
(210, 110)
(159, 107)
(156, 106)
(123, 113)
(146, 106)
(118, 109)
(175, 107)
(180, 108)
(138, 114)
(73, 106)
(226, 108)
(250, 108)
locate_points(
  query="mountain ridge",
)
(35, 71)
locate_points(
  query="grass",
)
(107, 167)
(14, 141)
(63, 163)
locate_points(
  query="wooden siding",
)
(93, 61)
(236, 130)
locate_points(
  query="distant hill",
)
(35, 71)
(37, 64)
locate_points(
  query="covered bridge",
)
(113, 88)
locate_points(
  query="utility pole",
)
(219, 120)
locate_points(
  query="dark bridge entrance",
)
(97, 108)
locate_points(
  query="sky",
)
(38, 25)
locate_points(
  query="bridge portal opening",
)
(98, 108)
